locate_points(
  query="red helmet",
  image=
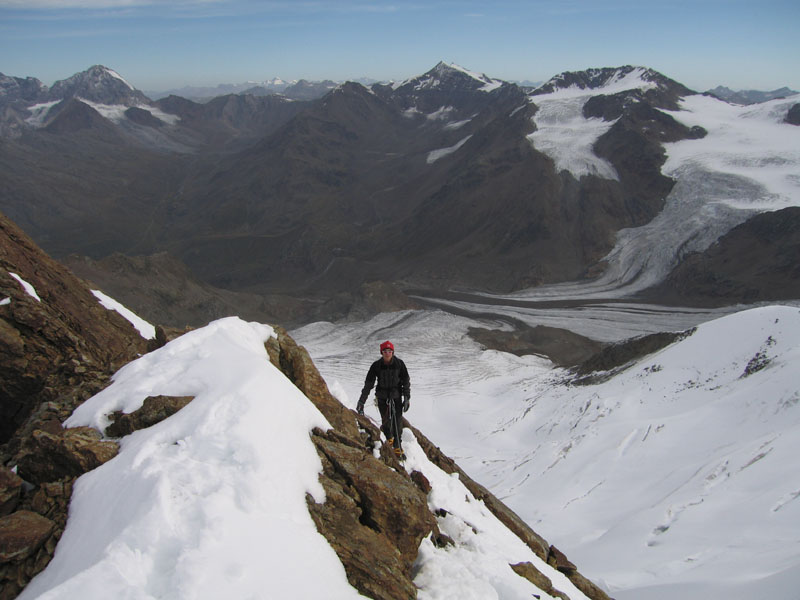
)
(387, 344)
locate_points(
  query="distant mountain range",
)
(449, 179)
(296, 89)
(749, 96)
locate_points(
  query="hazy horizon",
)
(161, 44)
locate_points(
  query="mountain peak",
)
(453, 77)
(609, 80)
(98, 84)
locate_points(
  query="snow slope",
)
(676, 478)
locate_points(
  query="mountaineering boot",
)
(399, 453)
(390, 441)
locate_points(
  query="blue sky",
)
(160, 44)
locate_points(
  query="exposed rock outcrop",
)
(27, 542)
(10, 488)
(69, 453)
(154, 410)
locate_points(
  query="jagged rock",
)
(347, 519)
(297, 365)
(27, 542)
(587, 587)
(23, 533)
(421, 482)
(558, 560)
(537, 578)
(46, 457)
(374, 515)
(390, 502)
(154, 409)
(10, 487)
(51, 500)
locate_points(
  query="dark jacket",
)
(392, 379)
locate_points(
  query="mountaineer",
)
(393, 392)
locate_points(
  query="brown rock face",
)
(48, 457)
(537, 578)
(49, 346)
(10, 488)
(374, 518)
(154, 410)
(22, 534)
(27, 541)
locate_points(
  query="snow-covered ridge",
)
(178, 512)
(211, 502)
(564, 134)
(599, 81)
(562, 131)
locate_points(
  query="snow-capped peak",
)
(450, 74)
(443, 70)
(98, 84)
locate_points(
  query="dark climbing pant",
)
(392, 418)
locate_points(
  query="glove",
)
(406, 403)
(360, 407)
